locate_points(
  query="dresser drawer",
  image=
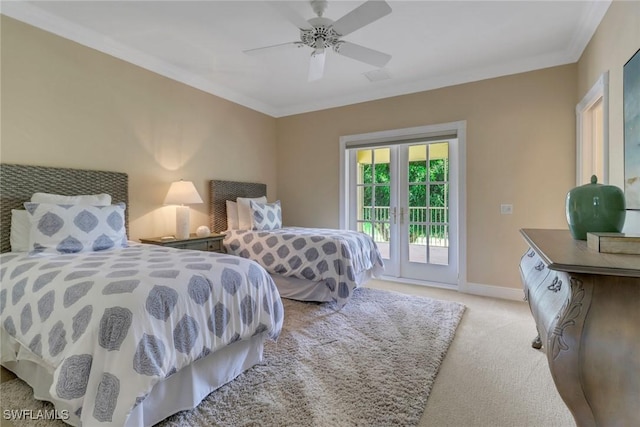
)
(547, 300)
(215, 246)
(194, 246)
(529, 259)
(211, 243)
(533, 271)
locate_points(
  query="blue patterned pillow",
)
(64, 229)
(266, 216)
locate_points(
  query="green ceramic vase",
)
(595, 208)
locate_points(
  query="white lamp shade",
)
(182, 193)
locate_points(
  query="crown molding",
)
(589, 23)
(32, 15)
(434, 82)
(29, 14)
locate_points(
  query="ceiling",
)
(433, 44)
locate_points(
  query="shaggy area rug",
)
(371, 363)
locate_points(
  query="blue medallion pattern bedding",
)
(109, 325)
(337, 257)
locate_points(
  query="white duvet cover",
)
(109, 325)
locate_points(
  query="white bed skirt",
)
(183, 390)
(308, 290)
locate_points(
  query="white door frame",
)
(459, 128)
(585, 138)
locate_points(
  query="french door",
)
(405, 196)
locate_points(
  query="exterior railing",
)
(426, 224)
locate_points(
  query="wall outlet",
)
(506, 209)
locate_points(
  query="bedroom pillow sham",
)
(245, 217)
(266, 216)
(20, 229)
(232, 215)
(63, 229)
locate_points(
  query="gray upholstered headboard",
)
(19, 182)
(221, 191)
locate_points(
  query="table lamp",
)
(182, 193)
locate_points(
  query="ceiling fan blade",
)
(316, 65)
(362, 54)
(292, 15)
(362, 15)
(273, 48)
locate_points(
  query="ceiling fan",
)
(322, 33)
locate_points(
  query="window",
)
(592, 120)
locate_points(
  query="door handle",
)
(395, 214)
(401, 216)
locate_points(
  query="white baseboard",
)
(419, 282)
(514, 294)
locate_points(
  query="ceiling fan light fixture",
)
(322, 33)
(316, 65)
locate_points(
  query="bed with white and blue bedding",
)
(307, 264)
(107, 329)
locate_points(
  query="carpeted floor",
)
(372, 363)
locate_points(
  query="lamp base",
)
(182, 222)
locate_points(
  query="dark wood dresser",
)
(586, 306)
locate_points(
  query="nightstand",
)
(210, 243)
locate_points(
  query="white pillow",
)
(232, 215)
(75, 228)
(20, 227)
(266, 216)
(57, 199)
(245, 216)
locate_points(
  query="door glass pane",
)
(438, 198)
(364, 203)
(382, 202)
(417, 163)
(381, 232)
(382, 174)
(439, 161)
(417, 203)
(417, 238)
(382, 156)
(418, 243)
(439, 244)
(373, 188)
(365, 227)
(438, 224)
(365, 169)
(428, 203)
(381, 199)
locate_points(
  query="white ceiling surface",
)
(433, 44)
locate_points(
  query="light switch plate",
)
(506, 209)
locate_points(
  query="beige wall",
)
(520, 150)
(64, 104)
(613, 44)
(67, 105)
